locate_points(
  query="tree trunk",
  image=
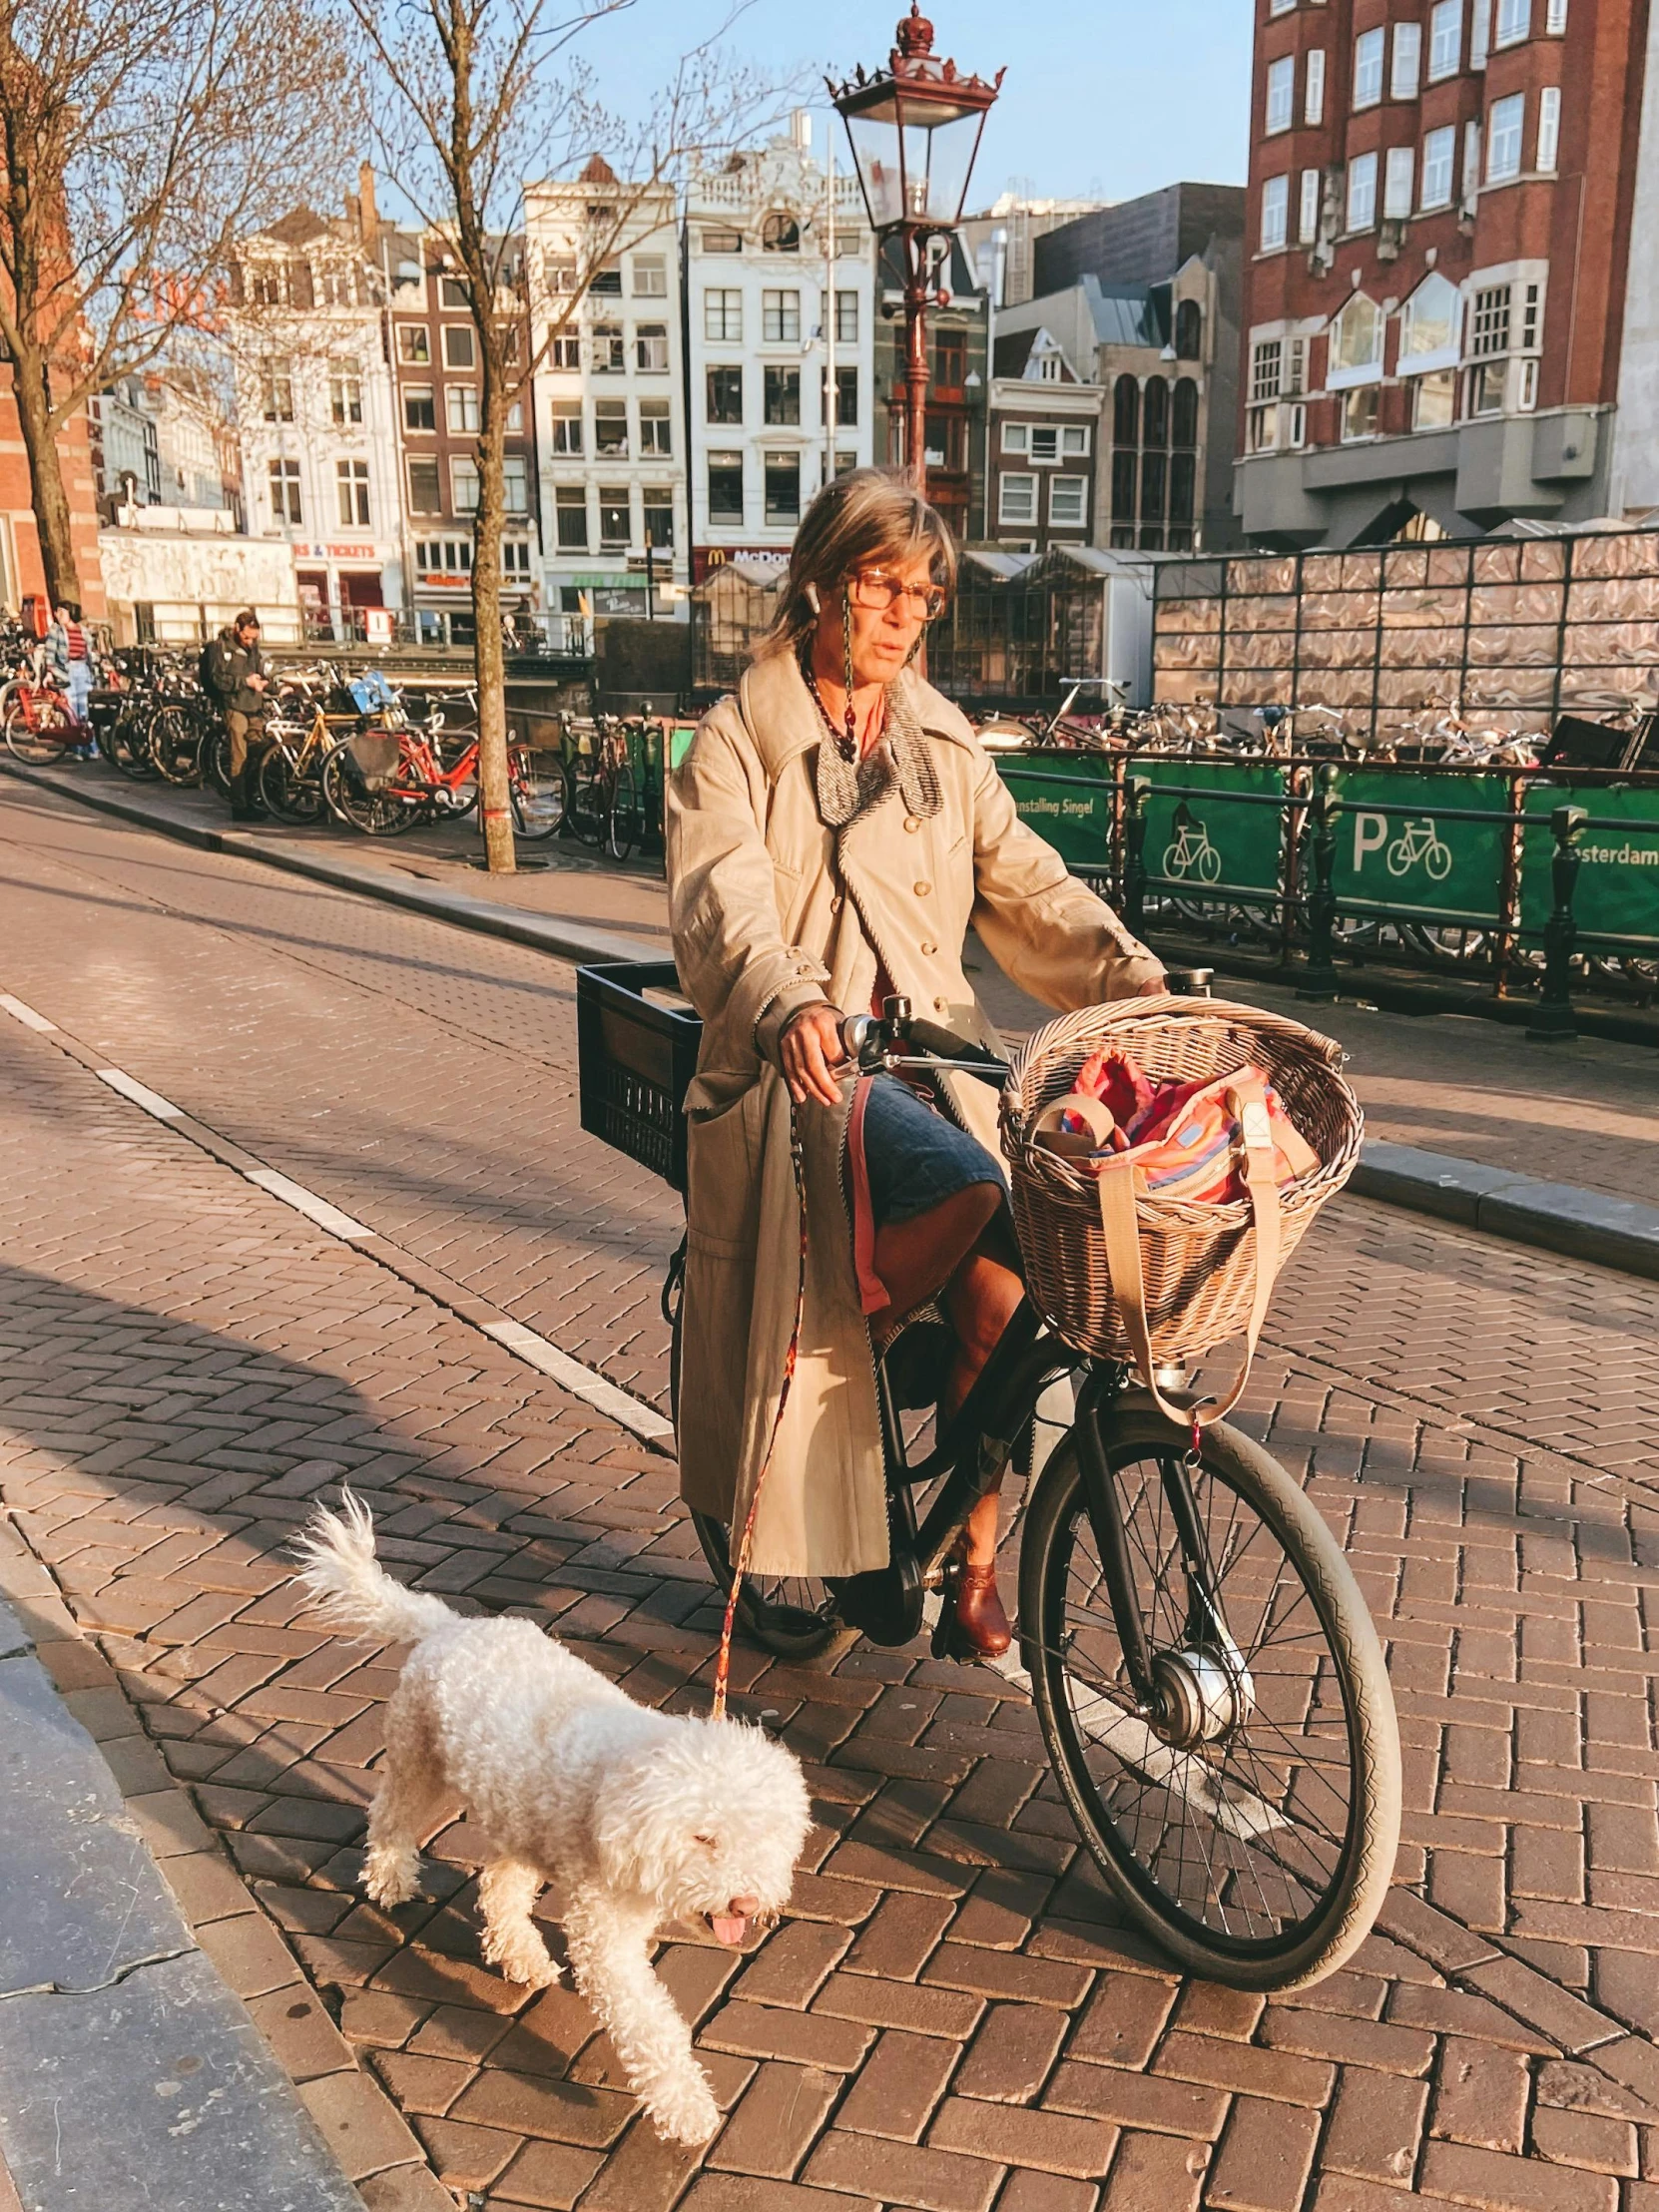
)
(494, 800)
(47, 491)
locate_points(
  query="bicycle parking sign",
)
(1198, 836)
(1400, 852)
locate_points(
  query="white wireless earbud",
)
(813, 599)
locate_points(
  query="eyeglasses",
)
(874, 587)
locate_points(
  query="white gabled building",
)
(315, 412)
(609, 396)
(768, 310)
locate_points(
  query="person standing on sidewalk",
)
(234, 677)
(69, 657)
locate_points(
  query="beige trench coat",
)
(762, 926)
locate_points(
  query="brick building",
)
(1442, 199)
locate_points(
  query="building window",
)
(781, 397)
(515, 560)
(1408, 62)
(656, 431)
(463, 483)
(726, 487)
(1529, 318)
(1481, 32)
(1361, 192)
(610, 357)
(351, 489)
(565, 351)
(458, 349)
(610, 427)
(1356, 334)
(658, 503)
(1155, 413)
(1154, 478)
(847, 398)
(1126, 411)
(1182, 414)
(1017, 501)
(615, 516)
(846, 319)
(443, 560)
(559, 271)
(1281, 101)
(1068, 502)
(460, 407)
(1276, 194)
(285, 491)
(1555, 17)
(1017, 437)
(1514, 22)
(651, 348)
(1397, 178)
(722, 314)
(276, 391)
(1428, 320)
(1367, 69)
(1123, 488)
(567, 426)
(1549, 127)
(1265, 368)
(846, 460)
(515, 484)
(424, 495)
(1360, 413)
(1445, 39)
(1183, 475)
(420, 413)
(723, 242)
(345, 394)
(570, 517)
(723, 396)
(1505, 129)
(1526, 398)
(779, 319)
(1434, 400)
(607, 281)
(414, 344)
(780, 233)
(1189, 332)
(1308, 208)
(650, 276)
(1489, 324)
(1075, 436)
(1487, 383)
(1440, 152)
(1279, 7)
(452, 293)
(783, 487)
(1313, 86)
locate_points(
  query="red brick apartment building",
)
(1452, 267)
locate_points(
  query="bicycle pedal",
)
(950, 1582)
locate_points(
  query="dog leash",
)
(723, 1664)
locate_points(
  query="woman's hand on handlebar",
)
(814, 1055)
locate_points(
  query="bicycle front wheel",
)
(537, 790)
(622, 819)
(1250, 1820)
(354, 800)
(44, 739)
(286, 792)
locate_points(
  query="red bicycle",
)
(385, 782)
(40, 725)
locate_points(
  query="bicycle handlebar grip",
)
(927, 1036)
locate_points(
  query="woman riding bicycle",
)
(832, 832)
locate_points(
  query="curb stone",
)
(112, 2009)
(1582, 1225)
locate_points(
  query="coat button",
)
(938, 1005)
(836, 904)
(923, 889)
(911, 823)
(928, 950)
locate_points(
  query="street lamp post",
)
(915, 129)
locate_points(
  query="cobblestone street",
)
(954, 2017)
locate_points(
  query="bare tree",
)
(477, 96)
(140, 139)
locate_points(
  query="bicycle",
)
(1191, 854)
(418, 787)
(1420, 841)
(40, 726)
(1208, 1682)
(602, 802)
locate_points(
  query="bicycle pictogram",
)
(1419, 840)
(1191, 854)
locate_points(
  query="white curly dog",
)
(638, 1817)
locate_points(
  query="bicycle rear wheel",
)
(41, 739)
(537, 788)
(286, 792)
(585, 811)
(176, 747)
(1249, 1822)
(376, 813)
(622, 817)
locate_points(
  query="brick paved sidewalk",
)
(953, 2016)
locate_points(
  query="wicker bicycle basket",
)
(1197, 1259)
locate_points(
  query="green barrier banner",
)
(1197, 842)
(1067, 800)
(1409, 859)
(679, 743)
(1617, 893)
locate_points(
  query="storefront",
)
(338, 582)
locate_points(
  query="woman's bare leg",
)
(981, 1298)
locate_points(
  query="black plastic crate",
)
(635, 1060)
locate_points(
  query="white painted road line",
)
(308, 1203)
(139, 1093)
(593, 1390)
(27, 1015)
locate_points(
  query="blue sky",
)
(1112, 98)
